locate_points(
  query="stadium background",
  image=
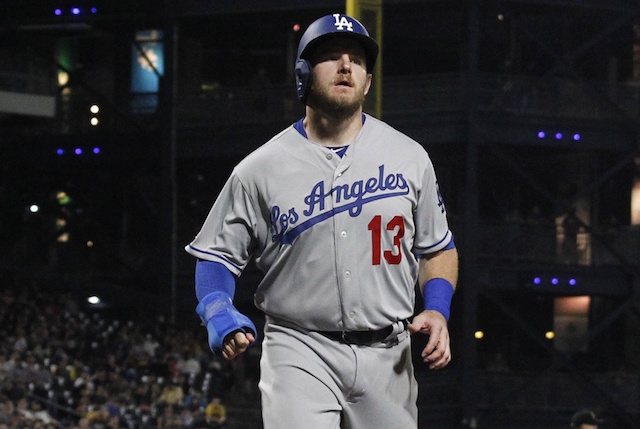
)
(120, 122)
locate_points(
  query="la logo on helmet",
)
(342, 22)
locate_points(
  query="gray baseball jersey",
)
(336, 237)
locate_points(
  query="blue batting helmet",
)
(321, 29)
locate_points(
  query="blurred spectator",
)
(172, 394)
(23, 408)
(39, 413)
(169, 419)
(189, 364)
(215, 415)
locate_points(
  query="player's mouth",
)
(344, 82)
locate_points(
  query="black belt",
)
(361, 338)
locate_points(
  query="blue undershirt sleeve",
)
(213, 277)
(215, 289)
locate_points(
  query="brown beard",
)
(334, 106)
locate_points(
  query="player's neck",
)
(331, 131)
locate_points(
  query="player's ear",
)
(302, 74)
(367, 85)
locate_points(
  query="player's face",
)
(340, 80)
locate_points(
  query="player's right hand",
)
(223, 322)
(236, 343)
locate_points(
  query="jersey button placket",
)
(342, 235)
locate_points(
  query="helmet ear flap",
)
(303, 79)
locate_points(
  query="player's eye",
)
(327, 56)
(357, 59)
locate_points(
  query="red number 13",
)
(393, 256)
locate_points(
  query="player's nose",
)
(345, 62)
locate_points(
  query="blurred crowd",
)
(64, 366)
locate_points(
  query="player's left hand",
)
(437, 352)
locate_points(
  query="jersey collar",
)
(300, 128)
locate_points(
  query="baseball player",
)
(343, 215)
(585, 419)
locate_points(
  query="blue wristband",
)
(437, 296)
